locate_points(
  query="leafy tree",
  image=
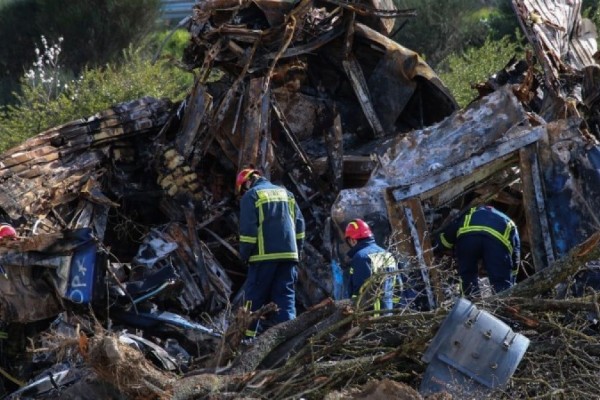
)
(17, 38)
(47, 100)
(591, 10)
(95, 32)
(502, 21)
(175, 45)
(476, 64)
(442, 27)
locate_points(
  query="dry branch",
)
(546, 279)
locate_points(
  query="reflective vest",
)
(368, 259)
(485, 220)
(271, 224)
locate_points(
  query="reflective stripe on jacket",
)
(271, 224)
(485, 220)
(368, 258)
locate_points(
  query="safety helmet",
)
(243, 176)
(358, 229)
(7, 230)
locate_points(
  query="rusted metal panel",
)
(26, 298)
(429, 87)
(426, 152)
(570, 168)
(300, 111)
(562, 40)
(486, 163)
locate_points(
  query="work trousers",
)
(472, 247)
(271, 281)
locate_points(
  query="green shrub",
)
(460, 71)
(441, 27)
(174, 46)
(592, 11)
(41, 106)
(96, 32)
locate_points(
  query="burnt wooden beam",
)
(290, 136)
(451, 190)
(335, 151)
(252, 124)
(361, 90)
(411, 240)
(197, 108)
(534, 206)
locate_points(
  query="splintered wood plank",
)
(412, 241)
(199, 103)
(51, 168)
(335, 151)
(534, 206)
(252, 124)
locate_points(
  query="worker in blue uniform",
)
(367, 259)
(483, 233)
(271, 241)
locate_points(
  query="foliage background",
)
(104, 59)
(108, 44)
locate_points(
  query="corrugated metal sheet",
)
(176, 10)
(559, 34)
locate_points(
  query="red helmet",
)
(7, 231)
(242, 177)
(358, 229)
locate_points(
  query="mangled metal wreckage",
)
(130, 212)
(530, 145)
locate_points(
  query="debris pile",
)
(125, 280)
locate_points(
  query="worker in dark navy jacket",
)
(367, 259)
(271, 239)
(484, 233)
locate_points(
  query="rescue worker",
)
(367, 259)
(484, 233)
(271, 240)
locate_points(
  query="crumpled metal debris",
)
(128, 218)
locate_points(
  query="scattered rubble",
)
(125, 281)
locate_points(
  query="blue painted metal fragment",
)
(339, 287)
(472, 354)
(82, 271)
